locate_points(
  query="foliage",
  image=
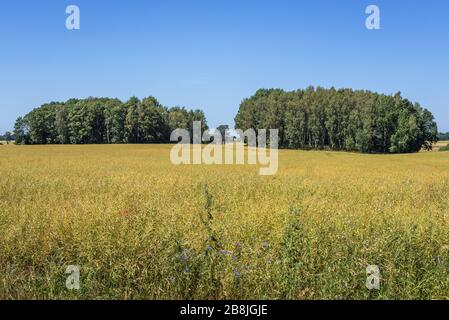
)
(340, 120)
(224, 131)
(443, 136)
(7, 137)
(103, 120)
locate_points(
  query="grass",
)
(141, 228)
(440, 145)
(445, 148)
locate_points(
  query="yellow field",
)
(139, 227)
(437, 146)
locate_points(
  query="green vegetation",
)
(446, 148)
(7, 137)
(103, 120)
(340, 120)
(307, 119)
(443, 136)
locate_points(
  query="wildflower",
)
(224, 252)
(183, 256)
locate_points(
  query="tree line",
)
(314, 118)
(7, 136)
(104, 120)
(345, 119)
(443, 136)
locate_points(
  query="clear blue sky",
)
(211, 54)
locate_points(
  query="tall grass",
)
(140, 228)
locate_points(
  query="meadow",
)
(141, 228)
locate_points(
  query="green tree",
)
(178, 118)
(103, 120)
(197, 115)
(339, 120)
(21, 131)
(153, 124)
(115, 116)
(8, 137)
(132, 120)
(224, 131)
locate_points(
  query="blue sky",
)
(212, 54)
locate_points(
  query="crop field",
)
(440, 144)
(139, 227)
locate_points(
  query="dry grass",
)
(140, 227)
(440, 144)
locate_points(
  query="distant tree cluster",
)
(103, 120)
(443, 136)
(7, 136)
(340, 120)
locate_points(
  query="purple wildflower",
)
(224, 252)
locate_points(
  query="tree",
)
(443, 136)
(132, 121)
(153, 124)
(197, 115)
(115, 115)
(8, 137)
(21, 131)
(103, 120)
(41, 124)
(61, 125)
(224, 131)
(178, 118)
(318, 118)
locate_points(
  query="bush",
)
(446, 148)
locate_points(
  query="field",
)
(440, 144)
(139, 227)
